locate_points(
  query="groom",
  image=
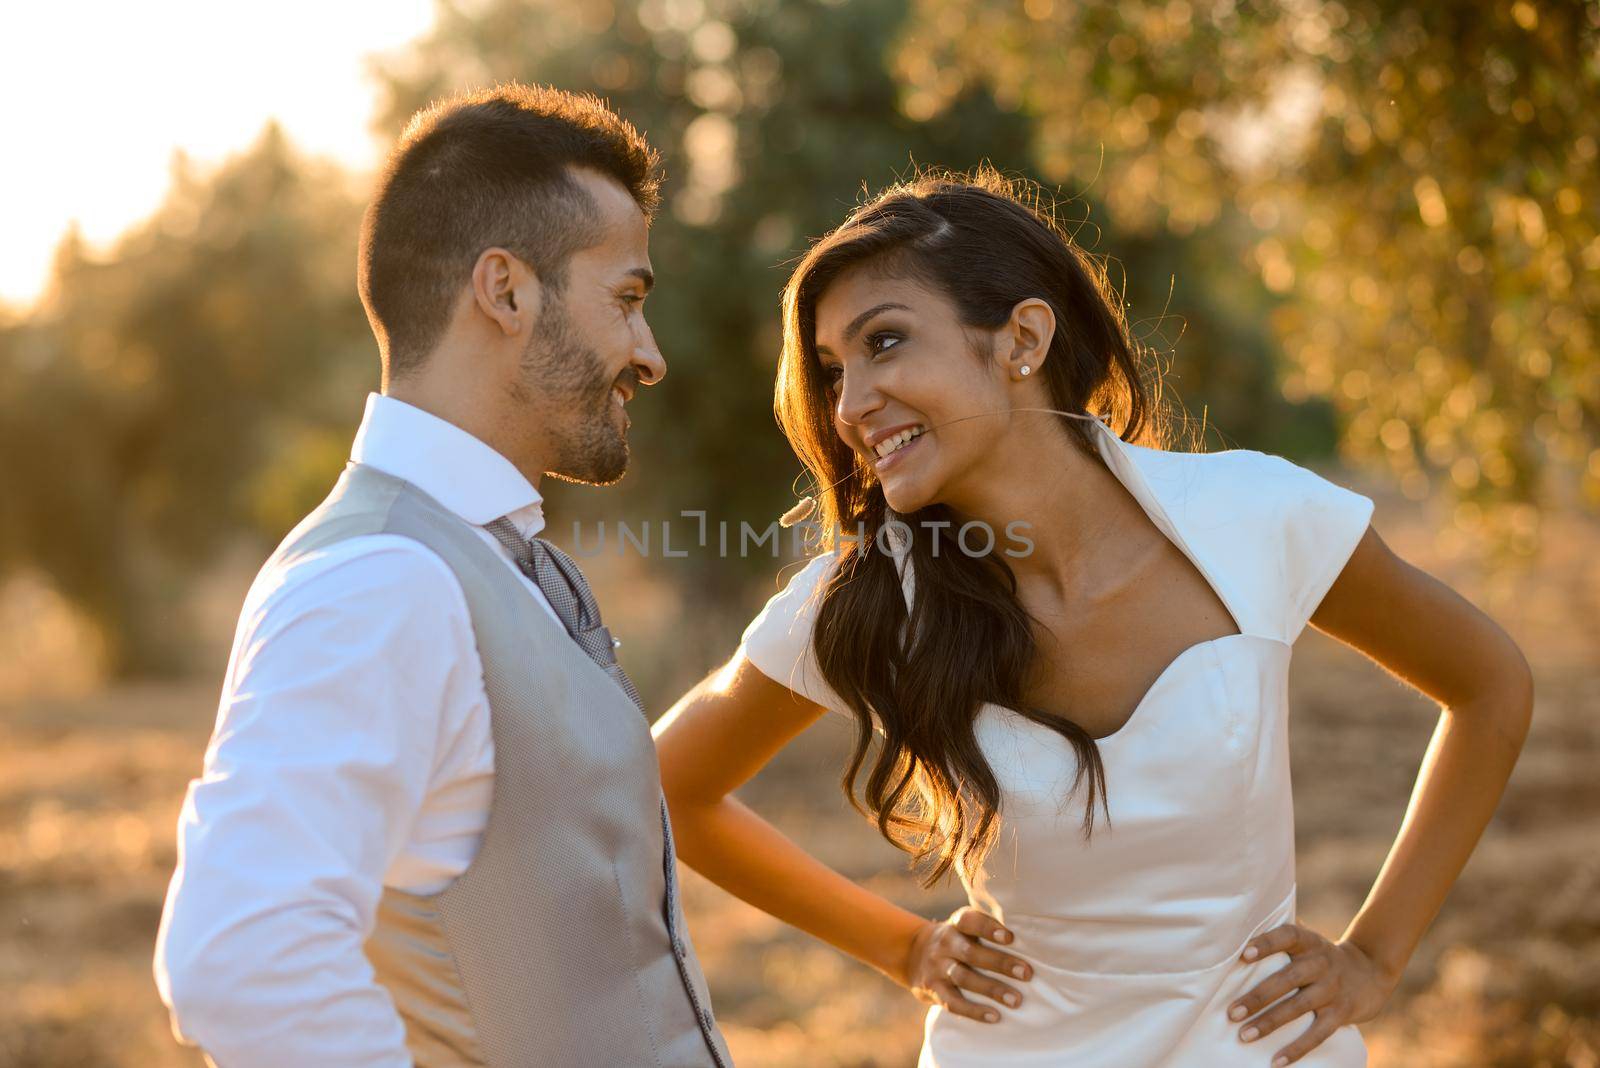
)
(430, 827)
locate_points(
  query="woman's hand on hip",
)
(1334, 981)
(948, 959)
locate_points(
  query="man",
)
(430, 827)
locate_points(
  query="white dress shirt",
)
(352, 751)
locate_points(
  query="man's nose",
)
(648, 361)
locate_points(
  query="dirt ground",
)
(1508, 976)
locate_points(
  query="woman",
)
(1033, 618)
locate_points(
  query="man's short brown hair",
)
(484, 169)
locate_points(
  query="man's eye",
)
(873, 339)
(633, 298)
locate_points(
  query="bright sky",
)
(96, 95)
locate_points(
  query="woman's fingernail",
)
(1249, 1034)
(1011, 999)
(1002, 936)
(1237, 1012)
(1018, 971)
(1280, 1062)
(1250, 954)
(990, 1017)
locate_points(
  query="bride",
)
(1065, 650)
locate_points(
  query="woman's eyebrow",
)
(861, 320)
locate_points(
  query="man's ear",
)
(1024, 340)
(506, 290)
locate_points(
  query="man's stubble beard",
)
(564, 386)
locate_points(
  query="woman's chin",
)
(905, 499)
(911, 480)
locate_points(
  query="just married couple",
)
(433, 826)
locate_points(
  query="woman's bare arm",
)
(712, 741)
(1436, 641)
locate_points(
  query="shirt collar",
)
(460, 471)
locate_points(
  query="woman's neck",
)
(1047, 491)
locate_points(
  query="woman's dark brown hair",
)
(983, 241)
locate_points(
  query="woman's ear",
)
(1025, 338)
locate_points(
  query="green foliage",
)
(772, 118)
(1421, 180)
(1398, 196)
(145, 394)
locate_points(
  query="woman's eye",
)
(831, 376)
(873, 339)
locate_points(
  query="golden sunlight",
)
(100, 95)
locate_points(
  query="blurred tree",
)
(142, 400)
(202, 379)
(772, 117)
(1421, 180)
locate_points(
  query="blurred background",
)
(1358, 233)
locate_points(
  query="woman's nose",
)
(857, 400)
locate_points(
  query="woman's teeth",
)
(897, 442)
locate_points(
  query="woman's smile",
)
(892, 453)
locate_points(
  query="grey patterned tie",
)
(565, 587)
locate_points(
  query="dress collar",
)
(1162, 482)
(1165, 484)
(460, 471)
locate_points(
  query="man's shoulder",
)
(349, 508)
(349, 575)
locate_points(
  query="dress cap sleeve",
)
(778, 639)
(1321, 522)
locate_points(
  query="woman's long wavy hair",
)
(985, 242)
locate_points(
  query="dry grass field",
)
(1509, 976)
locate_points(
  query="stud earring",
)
(1026, 369)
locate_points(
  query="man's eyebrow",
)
(645, 275)
(861, 320)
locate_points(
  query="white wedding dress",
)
(1135, 937)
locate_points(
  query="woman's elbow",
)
(1504, 698)
(1518, 701)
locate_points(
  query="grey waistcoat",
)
(563, 943)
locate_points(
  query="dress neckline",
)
(1124, 465)
(1126, 461)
